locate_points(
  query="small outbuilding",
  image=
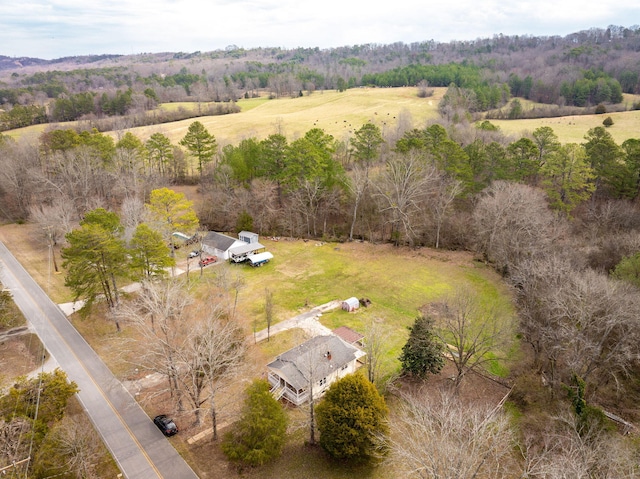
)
(349, 336)
(350, 304)
(241, 253)
(248, 237)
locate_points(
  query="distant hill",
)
(584, 69)
(13, 63)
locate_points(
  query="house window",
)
(323, 381)
(344, 367)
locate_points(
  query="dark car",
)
(166, 425)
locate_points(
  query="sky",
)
(51, 29)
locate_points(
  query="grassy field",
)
(572, 129)
(340, 114)
(398, 281)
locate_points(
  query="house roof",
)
(348, 334)
(311, 361)
(218, 241)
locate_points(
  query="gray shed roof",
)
(218, 241)
(311, 359)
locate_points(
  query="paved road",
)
(137, 446)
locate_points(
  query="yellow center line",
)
(98, 387)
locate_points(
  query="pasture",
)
(339, 114)
(342, 113)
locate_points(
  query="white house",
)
(219, 245)
(311, 367)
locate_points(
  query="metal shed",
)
(248, 237)
(350, 304)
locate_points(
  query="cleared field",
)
(398, 281)
(572, 129)
(339, 114)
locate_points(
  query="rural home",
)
(218, 244)
(311, 368)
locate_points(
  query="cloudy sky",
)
(56, 28)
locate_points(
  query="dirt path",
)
(307, 321)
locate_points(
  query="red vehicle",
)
(207, 260)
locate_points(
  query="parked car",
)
(194, 253)
(207, 260)
(166, 425)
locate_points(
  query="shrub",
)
(600, 109)
(352, 420)
(608, 121)
(260, 433)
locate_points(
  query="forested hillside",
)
(583, 69)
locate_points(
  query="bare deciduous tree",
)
(445, 438)
(157, 312)
(444, 190)
(563, 452)
(13, 443)
(76, 442)
(56, 219)
(268, 310)
(212, 355)
(513, 222)
(579, 320)
(401, 190)
(473, 333)
(132, 213)
(375, 339)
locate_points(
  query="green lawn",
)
(398, 281)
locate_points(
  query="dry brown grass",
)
(29, 245)
(338, 114)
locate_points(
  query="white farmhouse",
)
(311, 367)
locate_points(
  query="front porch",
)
(280, 388)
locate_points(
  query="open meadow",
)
(338, 113)
(342, 113)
